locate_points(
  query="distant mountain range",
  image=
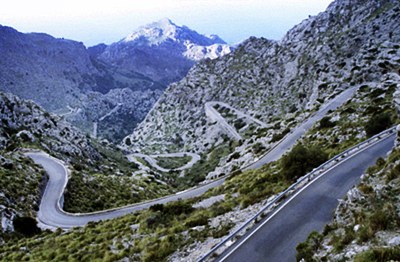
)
(86, 84)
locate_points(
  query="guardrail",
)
(294, 187)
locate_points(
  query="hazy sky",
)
(97, 21)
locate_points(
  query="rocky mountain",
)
(350, 44)
(162, 51)
(65, 77)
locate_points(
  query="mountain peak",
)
(154, 33)
(165, 22)
(164, 30)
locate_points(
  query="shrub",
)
(383, 218)
(301, 160)
(157, 207)
(364, 234)
(326, 123)
(239, 123)
(128, 141)
(377, 124)
(394, 173)
(197, 220)
(27, 226)
(366, 189)
(235, 155)
(258, 148)
(379, 254)
(279, 136)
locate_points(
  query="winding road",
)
(52, 215)
(239, 113)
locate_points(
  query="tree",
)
(301, 160)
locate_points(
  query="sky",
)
(106, 21)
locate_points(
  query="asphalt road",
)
(51, 214)
(276, 237)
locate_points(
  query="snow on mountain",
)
(163, 51)
(165, 30)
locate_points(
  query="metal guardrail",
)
(299, 184)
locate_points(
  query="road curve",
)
(51, 213)
(276, 237)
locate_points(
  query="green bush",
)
(377, 124)
(307, 249)
(258, 148)
(301, 160)
(394, 173)
(27, 226)
(383, 218)
(199, 219)
(325, 122)
(364, 234)
(279, 136)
